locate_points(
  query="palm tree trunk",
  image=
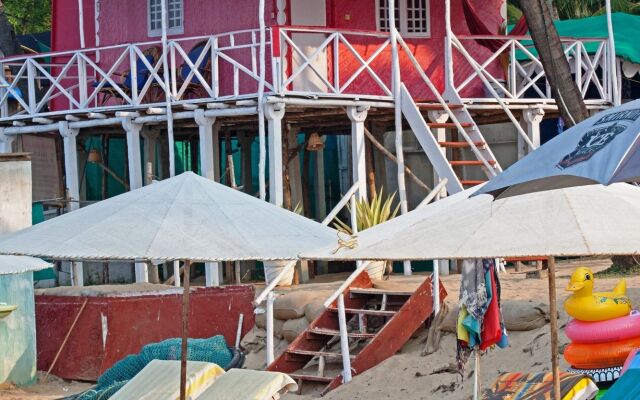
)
(557, 71)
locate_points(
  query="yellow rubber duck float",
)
(585, 305)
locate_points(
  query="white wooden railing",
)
(227, 67)
(524, 77)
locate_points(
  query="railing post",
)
(448, 50)
(215, 73)
(344, 341)
(82, 80)
(269, 317)
(31, 85)
(133, 67)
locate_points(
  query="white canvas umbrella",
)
(183, 218)
(572, 221)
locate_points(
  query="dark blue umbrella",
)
(602, 149)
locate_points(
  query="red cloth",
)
(491, 329)
(477, 27)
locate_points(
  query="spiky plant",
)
(370, 213)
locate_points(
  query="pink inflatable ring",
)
(610, 330)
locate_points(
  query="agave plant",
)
(370, 213)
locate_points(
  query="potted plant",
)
(371, 213)
(273, 268)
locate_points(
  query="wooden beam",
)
(553, 312)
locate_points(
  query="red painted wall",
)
(132, 322)
(124, 21)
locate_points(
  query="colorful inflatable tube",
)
(600, 355)
(611, 330)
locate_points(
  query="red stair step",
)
(471, 182)
(379, 313)
(316, 353)
(333, 332)
(459, 145)
(312, 378)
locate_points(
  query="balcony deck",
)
(224, 72)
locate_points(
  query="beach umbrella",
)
(572, 221)
(186, 218)
(602, 149)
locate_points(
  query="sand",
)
(53, 388)
(408, 375)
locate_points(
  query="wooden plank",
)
(312, 378)
(334, 332)
(378, 313)
(374, 291)
(316, 353)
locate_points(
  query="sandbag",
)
(292, 328)
(261, 322)
(291, 305)
(313, 310)
(518, 316)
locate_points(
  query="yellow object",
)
(463, 334)
(6, 309)
(160, 380)
(581, 390)
(246, 384)
(585, 305)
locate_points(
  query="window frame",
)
(403, 18)
(176, 30)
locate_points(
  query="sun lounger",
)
(249, 385)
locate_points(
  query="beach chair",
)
(125, 80)
(194, 88)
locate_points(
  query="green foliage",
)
(370, 213)
(573, 9)
(28, 16)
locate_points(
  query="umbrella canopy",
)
(573, 221)
(20, 264)
(601, 149)
(184, 218)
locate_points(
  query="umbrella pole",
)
(553, 311)
(476, 376)
(185, 331)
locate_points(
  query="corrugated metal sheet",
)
(21, 264)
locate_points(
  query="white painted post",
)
(612, 56)
(274, 114)
(70, 163)
(531, 117)
(448, 50)
(270, 345)
(436, 287)
(395, 77)
(176, 273)
(357, 116)
(344, 341)
(208, 166)
(81, 23)
(135, 178)
(77, 274)
(476, 376)
(167, 88)
(261, 133)
(6, 142)
(239, 330)
(441, 136)
(133, 152)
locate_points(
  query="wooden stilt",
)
(185, 331)
(553, 311)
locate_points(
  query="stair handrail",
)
(445, 106)
(274, 282)
(343, 202)
(344, 341)
(434, 192)
(481, 74)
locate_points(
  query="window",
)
(412, 17)
(175, 17)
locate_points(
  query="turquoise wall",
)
(18, 330)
